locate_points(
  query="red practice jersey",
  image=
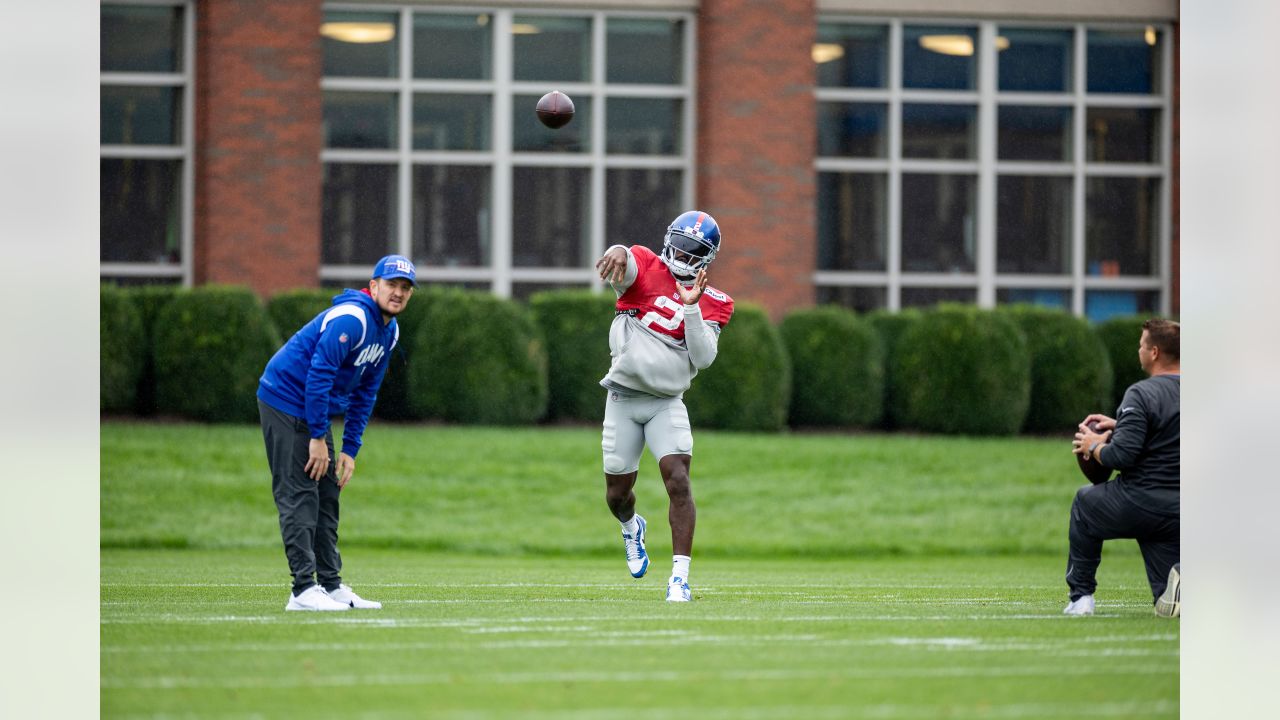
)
(652, 298)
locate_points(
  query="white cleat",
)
(1170, 603)
(316, 599)
(1083, 606)
(345, 594)
(637, 558)
(678, 590)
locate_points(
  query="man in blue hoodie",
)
(332, 366)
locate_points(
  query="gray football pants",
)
(1101, 512)
(308, 509)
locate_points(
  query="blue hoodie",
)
(333, 366)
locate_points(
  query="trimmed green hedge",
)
(122, 348)
(151, 301)
(1121, 336)
(211, 345)
(1070, 369)
(478, 359)
(891, 326)
(963, 370)
(576, 325)
(292, 309)
(748, 387)
(838, 361)
(397, 399)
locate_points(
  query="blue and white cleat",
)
(637, 558)
(678, 590)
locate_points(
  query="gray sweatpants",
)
(1102, 512)
(308, 509)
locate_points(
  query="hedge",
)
(576, 325)
(151, 300)
(122, 348)
(891, 326)
(211, 345)
(963, 370)
(292, 309)
(1120, 336)
(1070, 369)
(479, 359)
(748, 387)
(397, 399)
(838, 362)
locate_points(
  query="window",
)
(992, 162)
(432, 148)
(145, 142)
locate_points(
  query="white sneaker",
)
(1083, 606)
(315, 598)
(637, 558)
(678, 590)
(344, 594)
(1170, 603)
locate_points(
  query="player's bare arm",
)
(612, 266)
(691, 295)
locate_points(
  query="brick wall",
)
(258, 139)
(756, 144)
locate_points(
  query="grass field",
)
(933, 588)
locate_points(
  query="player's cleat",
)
(637, 558)
(1170, 602)
(344, 594)
(315, 598)
(1082, 606)
(678, 590)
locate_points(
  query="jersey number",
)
(672, 323)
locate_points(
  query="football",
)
(555, 109)
(1092, 469)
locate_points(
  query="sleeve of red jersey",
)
(642, 254)
(717, 307)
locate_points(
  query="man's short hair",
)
(1163, 334)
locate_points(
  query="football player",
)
(665, 329)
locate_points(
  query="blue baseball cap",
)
(395, 266)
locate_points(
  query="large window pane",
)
(551, 48)
(550, 217)
(1033, 224)
(853, 129)
(639, 204)
(140, 218)
(1123, 61)
(939, 131)
(530, 135)
(141, 115)
(644, 126)
(1121, 225)
(451, 215)
(1035, 60)
(1029, 132)
(852, 221)
(859, 299)
(645, 51)
(452, 122)
(1122, 135)
(360, 44)
(137, 38)
(923, 297)
(358, 222)
(453, 47)
(360, 120)
(1045, 297)
(852, 55)
(1100, 305)
(939, 58)
(938, 227)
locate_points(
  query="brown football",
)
(1092, 469)
(555, 109)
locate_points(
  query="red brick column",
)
(258, 139)
(756, 146)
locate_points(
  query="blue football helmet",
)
(690, 244)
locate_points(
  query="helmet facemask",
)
(686, 254)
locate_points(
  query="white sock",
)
(631, 527)
(680, 566)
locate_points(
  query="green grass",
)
(835, 576)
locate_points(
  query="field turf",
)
(933, 588)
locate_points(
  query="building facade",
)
(870, 154)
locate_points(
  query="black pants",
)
(308, 509)
(1102, 512)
